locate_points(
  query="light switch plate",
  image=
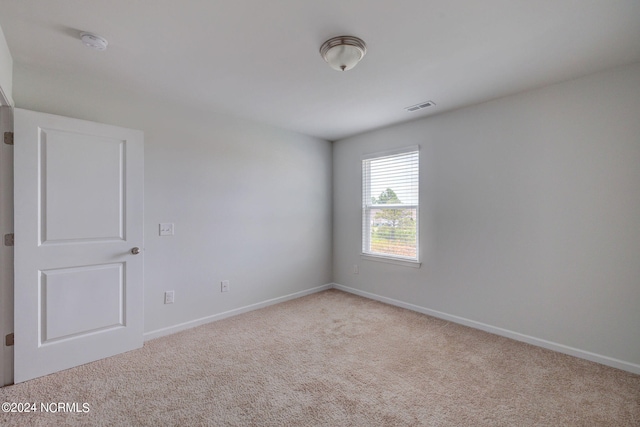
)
(166, 229)
(169, 297)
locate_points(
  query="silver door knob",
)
(135, 251)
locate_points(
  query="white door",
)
(78, 212)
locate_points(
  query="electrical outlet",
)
(224, 286)
(168, 297)
(356, 269)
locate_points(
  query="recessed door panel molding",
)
(82, 300)
(78, 208)
(82, 184)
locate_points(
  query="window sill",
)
(396, 261)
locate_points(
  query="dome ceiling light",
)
(94, 41)
(344, 52)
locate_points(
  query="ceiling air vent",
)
(420, 106)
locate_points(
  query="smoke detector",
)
(94, 41)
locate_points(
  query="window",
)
(390, 205)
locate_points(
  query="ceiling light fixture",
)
(94, 41)
(344, 52)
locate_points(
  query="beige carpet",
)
(334, 359)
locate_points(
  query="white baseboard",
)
(208, 319)
(593, 357)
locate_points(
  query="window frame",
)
(367, 207)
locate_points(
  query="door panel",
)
(94, 187)
(78, 213)
(81, 300)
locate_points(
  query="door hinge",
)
(8, 239)
(8, 138)
(8, 340)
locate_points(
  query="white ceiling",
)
(259, 59)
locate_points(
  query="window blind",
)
(390, 202)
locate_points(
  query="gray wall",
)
(530, 214)
(251, 203)
(6, 72)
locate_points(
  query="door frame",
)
(6, 252)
